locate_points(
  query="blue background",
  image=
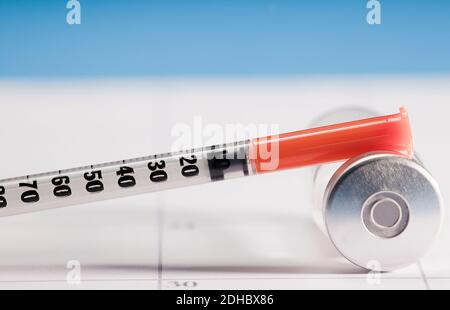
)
(166, 38)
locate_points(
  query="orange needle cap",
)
(333, 143)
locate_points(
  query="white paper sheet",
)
(251, 233)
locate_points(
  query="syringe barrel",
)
(123, 178)
(381, 210)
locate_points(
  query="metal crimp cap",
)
(382, 209)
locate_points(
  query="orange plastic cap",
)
(333, 143)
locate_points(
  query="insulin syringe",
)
(209, 164)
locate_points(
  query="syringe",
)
(209, 164)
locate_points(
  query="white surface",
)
(249, 233)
